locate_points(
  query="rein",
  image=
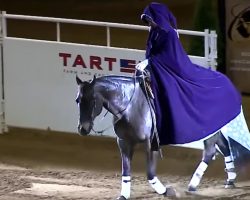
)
(119, 115)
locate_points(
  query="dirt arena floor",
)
(37, 165)
(46, 165)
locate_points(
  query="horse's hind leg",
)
(208, 154)
(126, 150)
(152, 157)
(223, 146)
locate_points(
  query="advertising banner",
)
(238, 43)
(40, 85)
(40, 81)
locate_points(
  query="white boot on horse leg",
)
(196, 178)
(157, 185)
(161, 189)
(231, 174)
(126, 187)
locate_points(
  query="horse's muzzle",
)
(84, 129)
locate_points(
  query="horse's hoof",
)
(229, 185)
(121, 198)
(170, 192)
(191, 188)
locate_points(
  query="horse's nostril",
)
(79, 128)
(84, 129)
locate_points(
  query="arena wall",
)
(39, 78)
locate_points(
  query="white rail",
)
(210, 37)
(58, 21)
(2, 121)
(93, 23)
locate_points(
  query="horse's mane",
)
(116, 81)
(116, 78)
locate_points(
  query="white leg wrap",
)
(231, 176)
(230, 168)
(196, 178)
(229, 162)
(157, 185)
(228, 159)
(126, 185)
(229, 165)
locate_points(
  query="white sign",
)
(40, 80)
(40, 86)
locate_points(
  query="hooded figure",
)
(191, 102)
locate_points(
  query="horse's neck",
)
(116, 93)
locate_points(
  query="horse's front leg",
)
(152, 157)
(126, 150)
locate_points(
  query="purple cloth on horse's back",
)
(191, 101)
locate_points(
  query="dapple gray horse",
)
(133, 123)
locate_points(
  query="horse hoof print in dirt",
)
(170, 192)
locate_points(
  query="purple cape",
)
(191, 101)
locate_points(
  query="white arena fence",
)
(38, 85)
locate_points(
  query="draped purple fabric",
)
(191, 101)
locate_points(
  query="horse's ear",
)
(78, 80)
(94, 79)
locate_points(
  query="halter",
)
(119, 115)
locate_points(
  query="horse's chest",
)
(132, 129)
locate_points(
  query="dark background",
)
(128, 11)
(102, 10)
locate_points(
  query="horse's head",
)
(89, 105)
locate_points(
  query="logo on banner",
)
(239, 28)
(127, 66)
(95, 64)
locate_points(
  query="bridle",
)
(121, 113)
(118, 115)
